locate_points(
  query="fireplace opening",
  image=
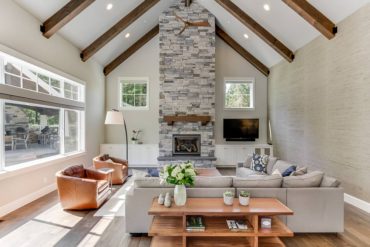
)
(186, 144)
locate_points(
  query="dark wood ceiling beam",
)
(245, 54)
(126, 54)
(63, 16)
(257, 29)
(117, 29)
(313, 16)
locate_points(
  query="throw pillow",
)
(277, 172)
(259, 163)
(152, 172)
(299, 172)
(289, 171)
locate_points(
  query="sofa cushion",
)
(329, 182)
(312, 179)
(258, 181)
(282, 165)
(150, 182)
(213, 182)
(259, 162)
(77, 171)
(246, 172)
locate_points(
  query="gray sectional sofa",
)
(317, 200)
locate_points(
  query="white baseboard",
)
(14, 205)
(358, 203)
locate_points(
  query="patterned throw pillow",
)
(259, 163)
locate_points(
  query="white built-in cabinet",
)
(145, 155)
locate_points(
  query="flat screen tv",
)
(241, 129)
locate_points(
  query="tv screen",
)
(241, 129)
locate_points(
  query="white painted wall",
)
(20, 31)
(145, 63)
(230, 64)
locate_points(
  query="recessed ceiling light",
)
(109, 6)
(246, 36)
(266, 7)
(127, 35)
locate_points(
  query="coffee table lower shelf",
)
(214, 242)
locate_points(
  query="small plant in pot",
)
(228, 198)
(244, 197)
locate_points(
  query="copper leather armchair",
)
(119, 166)
(81, 188)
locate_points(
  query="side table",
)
(108, 171)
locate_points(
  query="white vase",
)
(180, 195)
(244, 201)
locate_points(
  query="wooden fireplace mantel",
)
(187, 118)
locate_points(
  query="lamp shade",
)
(114, 117)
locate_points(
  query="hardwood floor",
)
(43, 223)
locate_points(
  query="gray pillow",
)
(248, 161)
(213, 182)
(282, 165)
(258, 181)
(329, 182)
(312, 179)
(150, 182)
(246, 172)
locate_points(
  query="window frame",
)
(249, 80)
(121, 81)
(22, 95)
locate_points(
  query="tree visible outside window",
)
(134, 93)
(239, 94)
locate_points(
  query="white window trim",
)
(253, 98)
(14, 170)
(133, 108)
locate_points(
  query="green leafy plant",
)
(229, 194)
(178, 174)
(244, 193)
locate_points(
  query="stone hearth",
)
(187, 80)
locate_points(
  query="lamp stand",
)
(124, 123)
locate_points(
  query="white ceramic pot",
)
(244, 201)
(228, 200)
(180, 195)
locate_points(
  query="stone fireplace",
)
(187, 83)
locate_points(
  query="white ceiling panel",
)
(281, 21)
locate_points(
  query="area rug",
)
(115, 206)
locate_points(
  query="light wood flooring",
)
(44, 223)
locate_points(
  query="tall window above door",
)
(239, 94)
(134, 93)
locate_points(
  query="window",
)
(41, 113)
(239, 94)
(133, 93)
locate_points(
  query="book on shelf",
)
(195, 224)
(238, 225)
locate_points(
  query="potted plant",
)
(180, 175)
(244, 197)
(229, 198)
(135, 136)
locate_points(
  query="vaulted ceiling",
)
(283, 23)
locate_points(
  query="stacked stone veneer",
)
(187, 76)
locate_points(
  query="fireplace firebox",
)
(186, 144)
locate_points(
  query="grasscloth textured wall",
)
(319, 105)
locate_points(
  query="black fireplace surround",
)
(186, 144)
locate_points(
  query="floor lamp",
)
(115, 117)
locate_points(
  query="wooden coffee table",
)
(168, 228)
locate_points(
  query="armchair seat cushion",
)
(102, 185)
